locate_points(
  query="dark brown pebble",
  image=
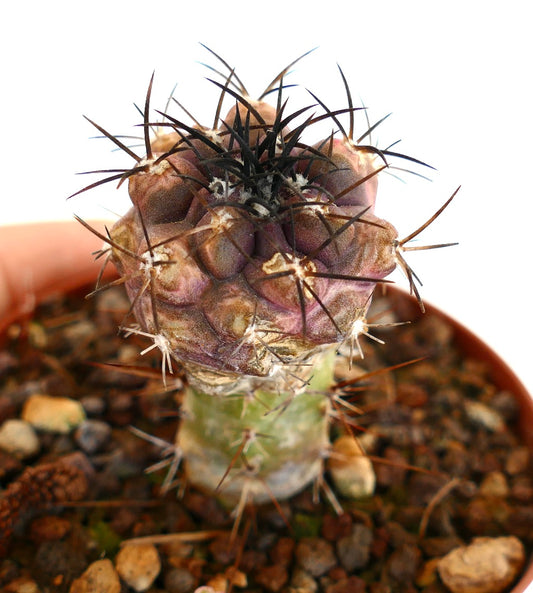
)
(425, 457)
(106, 484)
(505, 403)
(282, 551)
(455, 459)
(380, 543)
(411, 395)
(272, 577)
(485, 462)
(305, 502)
(94, 405)
(423, 487)
(61, 445)
(121, 412)
(503, 440)
(110, 378)
(409, 517)
(9, 570)
(518, 460)
(351, 584)
(478, 517)
(353, 550)
(179, 580)
(315, 555)
(252, 559)
(520, 522)
(123, 520)
(206, 508)
(136, 488)
(403, 563)
(195, 566)
(278, 516)
(337, 573)
(393, 473)
(7, 408)
(144, 526)
(48, 528)
(442, 521)
(436, 331)
(224, 549)
(453, 429)
(57, 384)
(435, 588)
(440, 546)
(448, 398)
(59, 558)
(265, 540)
(398, 535)
(378, 587)
(522, 488)
(394, 415)
(177, 518)
(336, 526)
(473, 373)
(8, 362)
(8, 464)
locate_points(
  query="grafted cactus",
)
(250, 257)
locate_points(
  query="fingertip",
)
(39, 259)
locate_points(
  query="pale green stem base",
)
(260, 446)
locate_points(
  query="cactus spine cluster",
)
(250, 257)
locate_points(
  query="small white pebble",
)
(100, 577)
(53, 414)
(482, 415)
(351, 471)
(19, 438)
(487, 565)
(138, 565)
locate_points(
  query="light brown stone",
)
(138, 565)
(100, 577)
(487, 565)
(53, 414)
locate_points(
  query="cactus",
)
(250, 258)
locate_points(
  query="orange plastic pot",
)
(38, 260)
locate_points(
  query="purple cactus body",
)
(292, 260)
(250, 257)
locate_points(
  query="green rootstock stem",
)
(258, 446)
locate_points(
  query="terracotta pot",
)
(41, 259)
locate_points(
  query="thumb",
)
(40, 259)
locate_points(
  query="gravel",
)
(446, 476)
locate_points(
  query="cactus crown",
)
(261, 246)
(250, 257)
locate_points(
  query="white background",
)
(456, 75)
